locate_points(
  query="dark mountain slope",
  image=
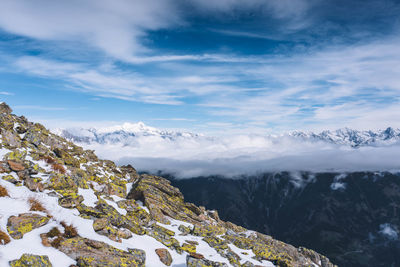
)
(352, 218)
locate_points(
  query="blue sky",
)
(254, 66)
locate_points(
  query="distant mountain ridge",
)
(119, 134)
(128, 132)
(354, 138)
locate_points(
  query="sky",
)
(226, 66)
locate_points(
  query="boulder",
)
(31, 261)
(164, 236)
(15, 166)
(194, 262)
(162, 200)
(189, 248)
(164, 255)
(89, 252)
(11, 139)
(19, 225)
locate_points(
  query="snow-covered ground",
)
(17, 203)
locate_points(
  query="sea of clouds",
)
(230, 156)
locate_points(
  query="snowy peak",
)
(130, 128)
(127, 133)
(122, 134)
(354, 138)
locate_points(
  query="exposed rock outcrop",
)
(19, 225)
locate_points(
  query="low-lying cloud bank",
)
(337, 160)
(190, 155)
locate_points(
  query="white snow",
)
(89, 197)
(128, 187)
(3, 152)
(31, 242)
(115, 206)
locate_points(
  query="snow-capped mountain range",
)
(127, 133)
(354, 138)
(121, 134)
(188, 154)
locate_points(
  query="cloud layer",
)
(189, 155)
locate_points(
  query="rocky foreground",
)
(60, 205)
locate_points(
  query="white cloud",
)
(338, 184)
(188, 155)
(112, 26)
(5, 93)
(389, 231)
(103, 82)
(256, 160)
(119, 27)
(34, 107)
(355, 86)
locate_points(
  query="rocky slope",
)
(60, 205)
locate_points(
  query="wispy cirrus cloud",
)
(5, 93)
(35, 107)
(323, 69)
(333, 87)
(114, 28)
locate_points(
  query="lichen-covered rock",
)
(31, 261)
(247, 264)
(16, 155)
(80, 178)
(189, 248)
(100, 224)
(33, 184)
(11, 179)
(162, 200)
(10, 139)
(95, 253)
(117, 219)
(194, 262)
(135, 213)
(164, 236)
(164, 255)
(115, 189)
(70, 200)
(88, 212)
(4, 108)
(124, 233)
(130, 172)
(139, 254)
(208, 230)
(184, 229)
(66, 157)
(60, 181)
(17, 226)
